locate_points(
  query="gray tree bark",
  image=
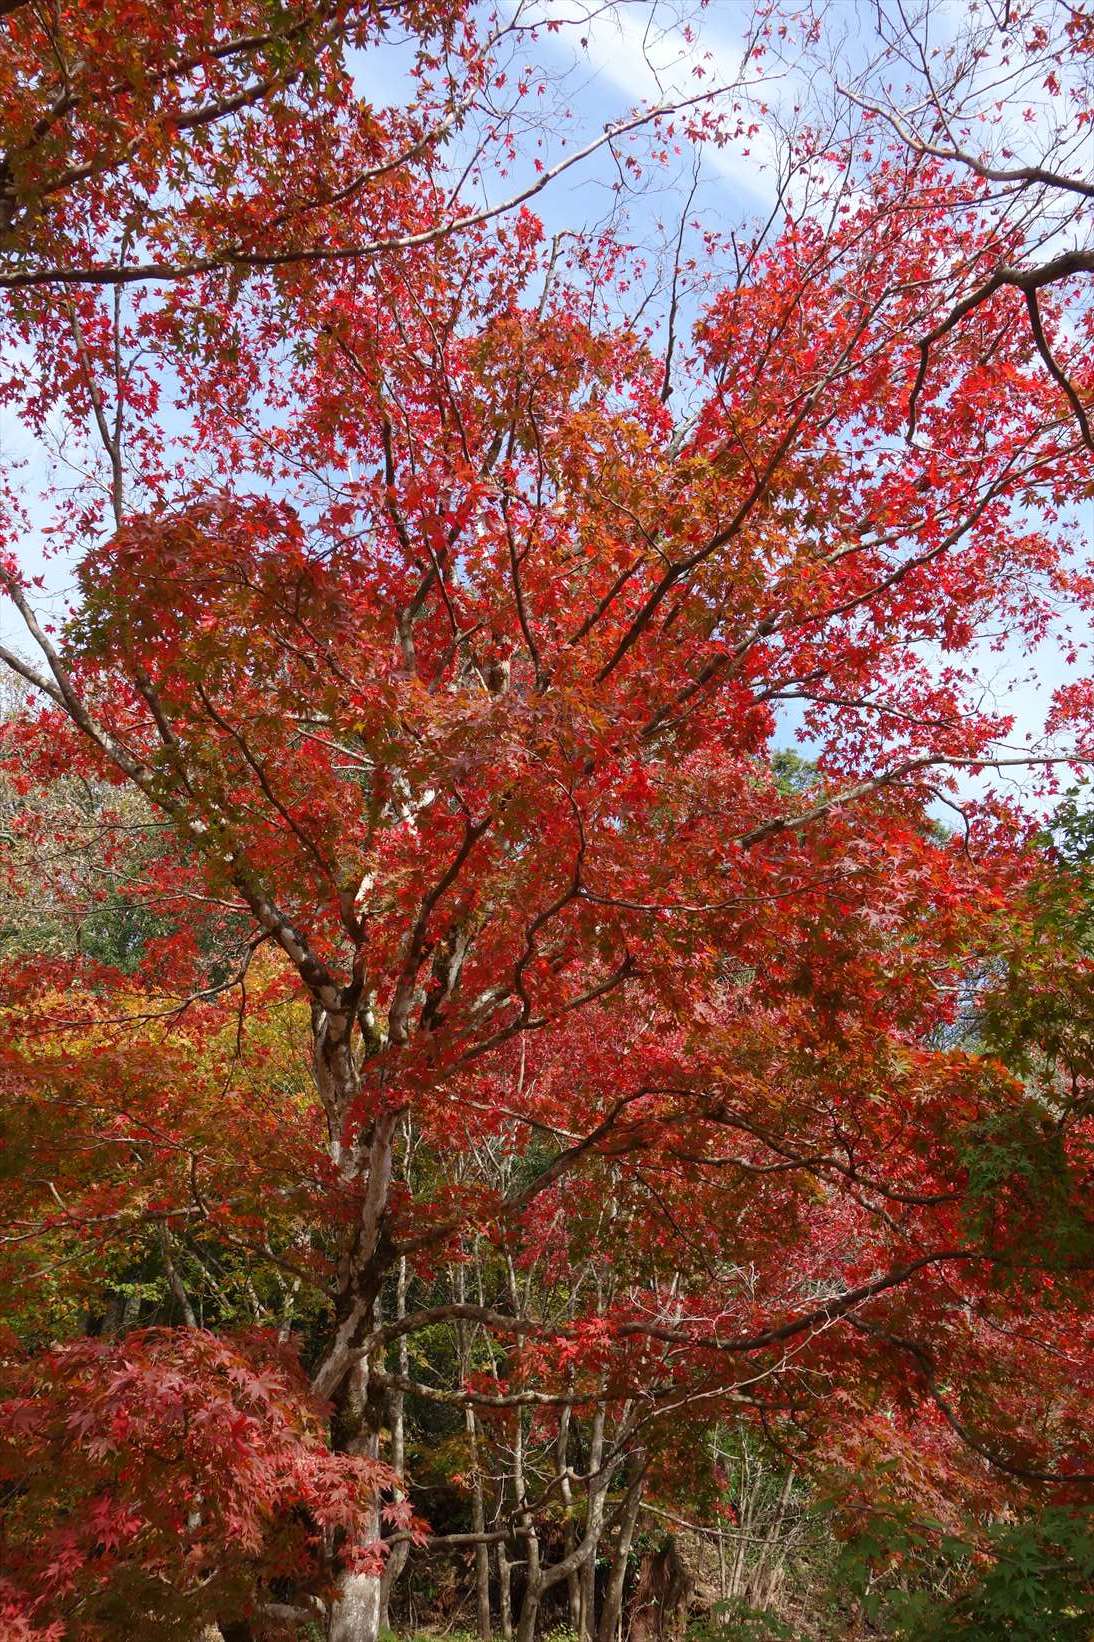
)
(612, 1611)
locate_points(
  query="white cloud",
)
(637, 49)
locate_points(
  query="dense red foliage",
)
(172, 1475)
(449, 659)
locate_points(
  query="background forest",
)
(546, 855)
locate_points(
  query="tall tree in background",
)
(425, 674)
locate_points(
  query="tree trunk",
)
(478, 1508)
(393, 1567)
(526, 1626)
(529, 1611)
(365, 1164)
(356, 1609)
(482, 1550)
(594, 1512)
(543, 1579)
(397, 1556)
(612, 1611)
(342, 1376)
(355, 1613)
(505, 1595)
(575, 1589)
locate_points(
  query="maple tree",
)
(172, 1440)
(1006, 101)
(495, 983)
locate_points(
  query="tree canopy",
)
(456, 1058)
